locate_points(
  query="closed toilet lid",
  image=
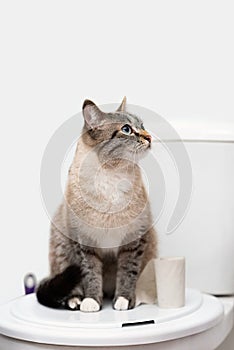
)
(24, 318)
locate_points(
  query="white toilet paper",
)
(170, 281)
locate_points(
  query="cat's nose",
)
(146, 136)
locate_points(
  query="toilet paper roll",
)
(170, 281)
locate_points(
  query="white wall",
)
(175, 57)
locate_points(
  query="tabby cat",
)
(101, 235)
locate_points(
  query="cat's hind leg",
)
(74, 300)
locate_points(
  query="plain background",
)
(174, 57)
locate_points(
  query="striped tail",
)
(53, 292)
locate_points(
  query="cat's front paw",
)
(126, 302)
(121, 304)
(89, 305)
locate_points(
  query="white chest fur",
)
(107, 189)
(106, 193)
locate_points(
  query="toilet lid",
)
(24, 318)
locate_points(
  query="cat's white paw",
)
(89, 305)
(121, 304)
(74, 303)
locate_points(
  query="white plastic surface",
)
(25, 319)
(205, 236)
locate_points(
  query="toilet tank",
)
(203, 231)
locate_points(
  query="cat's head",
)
(117, 135)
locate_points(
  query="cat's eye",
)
(126, 129)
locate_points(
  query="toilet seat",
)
(25, 319)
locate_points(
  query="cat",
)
(102, 235)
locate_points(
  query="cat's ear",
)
(122, 107)
(93, 116)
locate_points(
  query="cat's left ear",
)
(93, 116)
(122, 107)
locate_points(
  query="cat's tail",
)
(52, 292)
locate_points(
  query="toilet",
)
(204, 320)
(190, 155)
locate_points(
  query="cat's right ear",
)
(122, 107)
(93, 116)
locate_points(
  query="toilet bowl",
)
(203, 323)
